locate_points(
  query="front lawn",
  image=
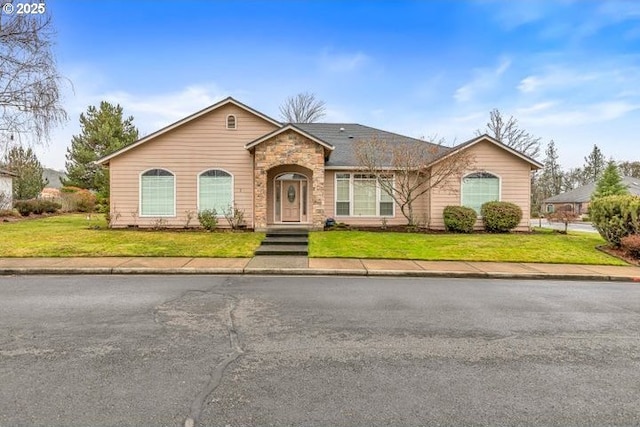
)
(71, 235)
(540, 246)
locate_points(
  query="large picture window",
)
(361, 195)
(479, 188)
(157, 193)
(215, 190)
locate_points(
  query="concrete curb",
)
(13, 271)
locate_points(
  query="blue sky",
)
(567, 70)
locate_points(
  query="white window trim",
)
(481, 171)
(233, 189)
(235, 121)
(175, 194)
(351, 194)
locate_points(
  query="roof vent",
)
(341, 129)
(350, 136)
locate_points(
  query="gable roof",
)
(343, 135)
(5, 172)
(228, 100)
(485, 137)
(583, 194)
(295, 128)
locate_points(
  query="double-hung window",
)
(361, 195)
(157, 193)
(215, 190)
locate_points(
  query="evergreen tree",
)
(594, 165)
(610, 184)
(29, 182)
(551, 179)
(102, 131)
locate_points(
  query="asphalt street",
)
(317, 351)
(556, 225)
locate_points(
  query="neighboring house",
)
(230, 154)
(6, 189)
(50, 193)
(577, 200)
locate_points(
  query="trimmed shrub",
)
(459, 219)
(631, 244)
(616, 217)
(49, 206)
(500, 217)
(25, 207)
(208, 219)
(36, 206)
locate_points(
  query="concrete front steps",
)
(285, 242)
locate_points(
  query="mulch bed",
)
(620, 254)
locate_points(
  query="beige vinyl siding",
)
(515, 183)
(420, 207)
(199, 145)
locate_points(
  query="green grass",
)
(73, 235)
(540, 246)
(70, 235)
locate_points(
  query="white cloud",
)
(574, 116)
(152, 112)
(484, 79)
(342, 62)
(535, 108)
(556, 77)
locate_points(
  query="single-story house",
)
(286, 174)
(577, 200)
(6, 189)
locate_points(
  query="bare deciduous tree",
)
(29, 81)
(511, 135)
(416, 169)
(302, 108)
(565, 215)
(628, 168)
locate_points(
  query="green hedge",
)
(500, 217)
(36, 206)
(616, 217)
(459, 219)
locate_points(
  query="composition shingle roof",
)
(583, 194)
(343, 135)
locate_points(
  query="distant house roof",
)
(4, 172)
(583, 194)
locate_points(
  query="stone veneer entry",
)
(289, 148)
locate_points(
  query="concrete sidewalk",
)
(315, 266)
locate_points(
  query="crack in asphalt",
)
(216, 375)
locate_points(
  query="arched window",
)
(215, 190)
(479, 188)
(231, 121)
(157, 193)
